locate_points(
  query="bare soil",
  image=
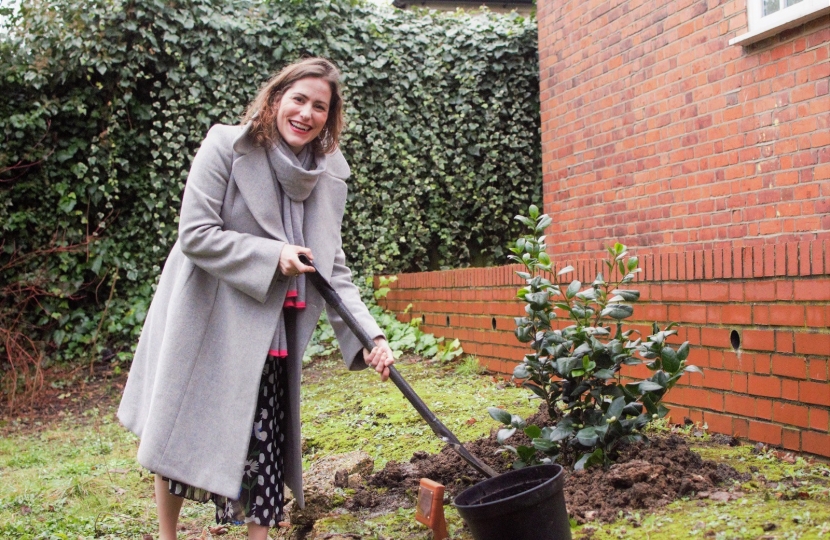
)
(64, 392)
(645, 476)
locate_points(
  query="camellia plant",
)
(576, 369)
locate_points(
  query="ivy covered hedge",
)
(103, 103)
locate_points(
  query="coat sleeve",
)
(246, 262)
(341, 280)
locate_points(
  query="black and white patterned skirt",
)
(261, 498)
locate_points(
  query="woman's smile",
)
(300, 127)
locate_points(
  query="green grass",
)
(744, 518)
(350, 411)
(76, 477)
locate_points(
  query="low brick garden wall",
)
(757, 320)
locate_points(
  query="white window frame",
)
(761, 27)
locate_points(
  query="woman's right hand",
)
(290, 264)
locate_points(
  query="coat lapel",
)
(321, 224)
(255, 181)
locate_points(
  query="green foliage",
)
(575, 370)
(104, 102)
(470, 367)
(402, 337)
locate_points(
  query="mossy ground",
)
(344, 411)
(76, 476)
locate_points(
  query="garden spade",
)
(333, 299)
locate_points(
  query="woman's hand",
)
(290, 264)
(380, 358)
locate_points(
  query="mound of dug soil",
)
(646, 475)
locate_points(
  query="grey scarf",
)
(295, 177)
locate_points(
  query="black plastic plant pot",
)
(525, 504)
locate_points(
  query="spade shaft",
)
(333, 299)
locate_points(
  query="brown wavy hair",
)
(262, 111)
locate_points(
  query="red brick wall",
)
(773, 388)
(657, 132)
(712, 163)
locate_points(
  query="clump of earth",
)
(645, 475)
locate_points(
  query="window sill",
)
(791, 17)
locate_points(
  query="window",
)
(769, 17)
(771, 6)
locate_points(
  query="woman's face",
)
(303, 111)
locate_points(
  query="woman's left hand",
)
(380, 357)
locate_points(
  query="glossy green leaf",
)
(504, 434)
(649, 386)
(573, 288)
(617, 311)
(499, 415)
(670, 361)
(533, 431)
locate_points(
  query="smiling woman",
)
(303, 112)
(307, 96)
(214, 389)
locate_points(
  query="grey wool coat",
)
(192, 388)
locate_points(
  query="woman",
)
(214, 389)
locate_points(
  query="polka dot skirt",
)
(261, 498)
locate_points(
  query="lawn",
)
(72, 473)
